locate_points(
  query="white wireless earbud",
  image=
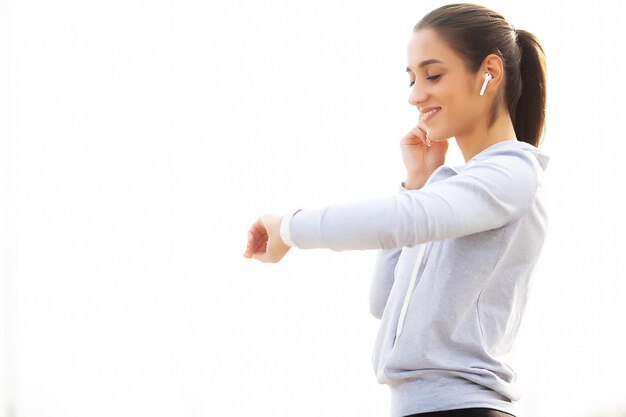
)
(487, 79)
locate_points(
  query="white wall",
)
(140, 139)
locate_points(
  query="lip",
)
(430, 116)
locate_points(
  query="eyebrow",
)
(427, 62)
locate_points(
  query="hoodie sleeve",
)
(383, 279)
(383, 276)
(488, 193)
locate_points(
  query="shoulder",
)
(508, 162)
(506, 172)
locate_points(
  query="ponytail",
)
(529, 114)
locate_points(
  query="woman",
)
(456, 245)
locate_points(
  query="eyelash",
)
(431, 78)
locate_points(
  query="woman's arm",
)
(384, 272)
(382, 279)
(485, 195)
(269, 237)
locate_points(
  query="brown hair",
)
(473, 32)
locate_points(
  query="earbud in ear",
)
(487, 79)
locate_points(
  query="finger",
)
(257, 236)
(258, 244)
(256, 248)
(426, 136)
(264, 254)
(422, 135)
(414, 137)
(270, 254)
(257, 230)
(257, 227)
(264, 251)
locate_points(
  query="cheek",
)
(455, 109)
(460, 112)
(460, 104)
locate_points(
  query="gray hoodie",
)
(451, 278)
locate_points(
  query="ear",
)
(492, 64)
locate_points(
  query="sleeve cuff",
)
(285, 233)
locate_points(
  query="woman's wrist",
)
(285, 234)
(414, 183)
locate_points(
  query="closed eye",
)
(431, 78)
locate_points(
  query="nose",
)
(417, 95)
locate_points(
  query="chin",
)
(436, 137)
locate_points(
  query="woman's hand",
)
(264, 241)
(421, 156)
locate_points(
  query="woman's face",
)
(446, 85)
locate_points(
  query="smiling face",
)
(439, 79)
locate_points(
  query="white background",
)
(140, 139)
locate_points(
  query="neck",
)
(481, 137)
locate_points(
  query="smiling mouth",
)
(429, 115)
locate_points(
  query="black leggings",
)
(464, 412)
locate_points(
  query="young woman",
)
(456, 245)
